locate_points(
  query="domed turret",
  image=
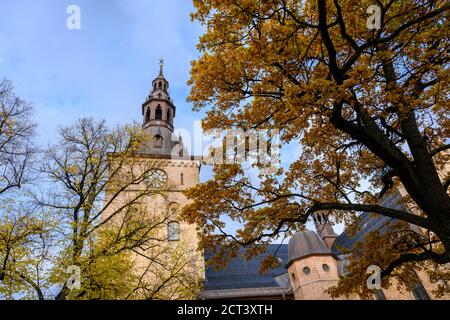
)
(305, 243)
(312, 268)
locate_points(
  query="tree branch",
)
(439, 149)
(411, 257)
(388, 212)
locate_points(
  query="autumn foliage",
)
(367, 108)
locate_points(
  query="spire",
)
(158, 113)
(160, 86)
(161, 67)
(324, 228)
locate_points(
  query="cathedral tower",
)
(174, 171)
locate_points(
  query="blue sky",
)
(105, 69)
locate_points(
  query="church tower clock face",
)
(156, 179)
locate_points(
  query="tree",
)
(16, 133)
(97, 188)
(23, 228)
(368, 108)
(24, 248)
(131, 259)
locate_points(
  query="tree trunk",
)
(62, 294)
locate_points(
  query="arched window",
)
(160, 85)
(168, 115)
(147, 115)
(379, 294)
(173, 210)
(293, 277)
(154, 86)
(158, 141)
(419, 292)
(319, 218)
(182, 179)
(173, 231)
(158, 113)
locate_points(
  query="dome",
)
(305, 243)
